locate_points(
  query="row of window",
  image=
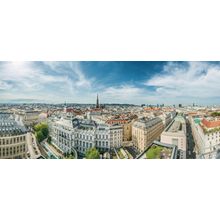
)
(84, 137)
(213, 137)
(97, 143)
(90, 137)
(10, 151)
(12, 140)
(212, 134)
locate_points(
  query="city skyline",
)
(116, 82)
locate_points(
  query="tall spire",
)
(65, 108)
(97, 101)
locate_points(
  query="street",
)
(133, 151)
(190, 153)
(33, 149)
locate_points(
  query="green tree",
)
(49, 139)
(92, 153)
(41, 131)
(70, 156)
(215, 114)
(39, 136)
(45, 131)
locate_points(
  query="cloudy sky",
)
(115, 82)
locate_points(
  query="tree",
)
(215, 114)
(42, 131)
(45, 131)
(70, 156)
(49, 139)
(40, 136)
(92, 153)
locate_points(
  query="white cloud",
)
(123, 94)
(194, 82)
(5, 86)
(73, 70)
(81, 79)
(26, 76)
(60, 81)
(66, 81)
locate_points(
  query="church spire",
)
(97, 101)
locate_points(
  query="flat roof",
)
(175, 127)
(171, 147)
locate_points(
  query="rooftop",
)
(178, 125)
(159, 150)
(175, 127)
(10, 126)
(210, 122)
(147, 122)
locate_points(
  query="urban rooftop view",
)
(109, 110)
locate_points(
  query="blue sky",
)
(115, 82)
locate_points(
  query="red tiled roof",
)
(210, 124)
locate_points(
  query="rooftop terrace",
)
(159, 150)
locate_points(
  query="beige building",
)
(29, 117)
(126, 125)
(175, 134)
(127, 131)
(13, 135)
(145, 131)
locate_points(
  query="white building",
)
(206, 133)
(175, 134)
(82, 134)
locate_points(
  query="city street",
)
(190, 153)
(51, 150)
(33, 149)
(133, 151)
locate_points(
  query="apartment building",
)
(126, 125)
(145, 131)
(206, 133)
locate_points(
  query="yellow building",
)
(145, 131)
